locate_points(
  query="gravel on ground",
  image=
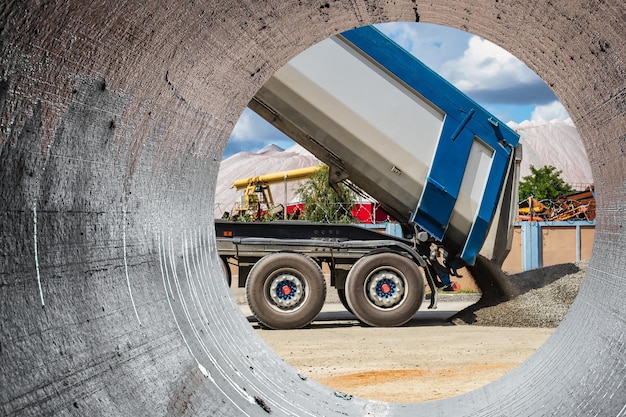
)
(540, 298)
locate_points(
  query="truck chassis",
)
(379, 278)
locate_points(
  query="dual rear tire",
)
(285, 290)
(384, 289)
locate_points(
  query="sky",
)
(488, 74)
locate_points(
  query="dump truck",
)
(439, 163)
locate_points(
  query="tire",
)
(285, 290)
(384, 289)
(342, 297)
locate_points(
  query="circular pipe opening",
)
(113, 297)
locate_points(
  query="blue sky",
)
(487, 73)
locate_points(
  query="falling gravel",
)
(537, 298)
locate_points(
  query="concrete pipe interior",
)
(114, 116)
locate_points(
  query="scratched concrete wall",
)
(113, 118)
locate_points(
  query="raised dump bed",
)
(378, 116)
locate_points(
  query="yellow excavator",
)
(257, 196)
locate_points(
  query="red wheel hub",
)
(385, 288)
(286, 290)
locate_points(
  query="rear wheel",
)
(285, 290)
(384, 289)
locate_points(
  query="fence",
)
(539, 244)
(365, 212)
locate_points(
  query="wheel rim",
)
(385, 288)
(286, 290)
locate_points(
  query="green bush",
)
(543, 184)
(322, 203)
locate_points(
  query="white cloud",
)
(253, 128)
(479, 68)
(252, 132)
(431, 44)
(486, 66)
(549, 112)
(245, 127)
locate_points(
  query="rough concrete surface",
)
(113, 118)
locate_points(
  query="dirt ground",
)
(404, 364)
(429, 358)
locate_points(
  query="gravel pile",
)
(540, 298)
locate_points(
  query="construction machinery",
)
(257, 199)
(439, 163)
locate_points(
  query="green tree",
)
(322, 203)
(543, 184)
